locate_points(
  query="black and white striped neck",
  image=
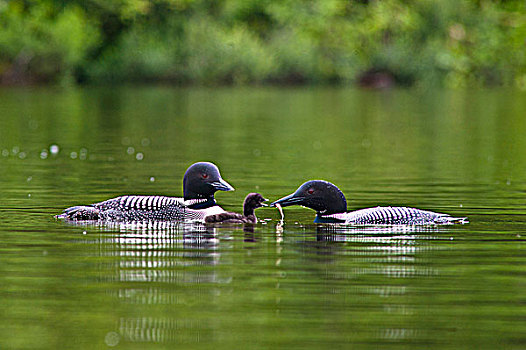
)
(198, 204)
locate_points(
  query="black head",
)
(252, 202)
(322, 196)
(202, 180)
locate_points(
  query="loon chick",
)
(201, 180)
(331, 207)
(251, 203)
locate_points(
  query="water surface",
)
(298, 286)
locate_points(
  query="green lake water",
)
(299, 286)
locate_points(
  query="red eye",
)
(205, 176)
(310, 190)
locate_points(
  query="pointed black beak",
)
(222, 185)
(291, 199)
(264, 204)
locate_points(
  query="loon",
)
(201, 180)
(252, 202)
(331, 207)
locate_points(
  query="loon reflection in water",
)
(331, 207)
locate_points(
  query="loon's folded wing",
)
(156, 208)
(396, 216)
(128, 208)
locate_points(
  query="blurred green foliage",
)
(408, 42)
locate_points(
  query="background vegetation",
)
(378, 43)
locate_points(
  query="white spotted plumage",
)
(393, 216)
(126, 208)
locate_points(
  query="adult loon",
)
(201, 180)
(251, 203)
(331, 207)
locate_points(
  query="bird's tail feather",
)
(446, 219)
(80, 213)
